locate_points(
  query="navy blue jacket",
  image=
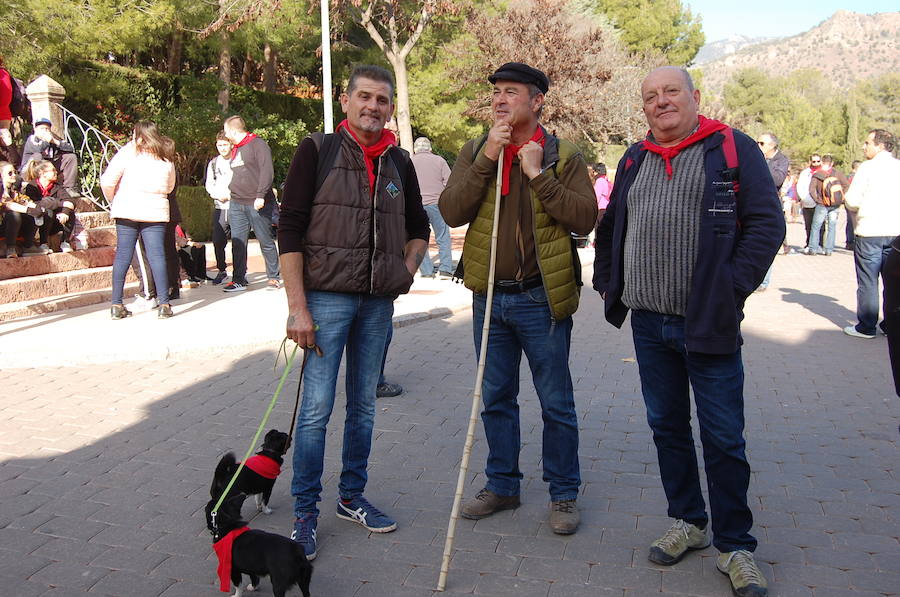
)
(740, 234)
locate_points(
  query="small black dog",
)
(242, 550)
(259, 472)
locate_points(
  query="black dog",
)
(259, 472)
(242, 550)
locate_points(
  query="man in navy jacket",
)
(686, 238)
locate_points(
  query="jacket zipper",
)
(374, 192)
(537, 250)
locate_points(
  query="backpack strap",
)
(329, 145)
(731, 158)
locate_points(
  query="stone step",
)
(102, 236)
(52, 304)
(94, 219)
(56, 262)
(56, 284)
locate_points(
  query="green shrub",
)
(113, 97)
(196, 212)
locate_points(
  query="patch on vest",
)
(393, 190)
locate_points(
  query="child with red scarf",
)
(59, 211)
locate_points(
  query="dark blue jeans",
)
(153, 234)
(357, 323)
(221, 230)
(242, 217)
(869, 255)
(668, 372)
(521, 323)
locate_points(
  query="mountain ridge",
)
(848, 46)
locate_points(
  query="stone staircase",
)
(49, 283)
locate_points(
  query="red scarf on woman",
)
(222, 547)
(371, 152)
(510, 151)
(247, 138)
(706, 128)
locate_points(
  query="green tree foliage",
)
(651, 26)
(809, 114)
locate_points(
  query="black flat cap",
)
(521, 73)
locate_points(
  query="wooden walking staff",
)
(479, 378)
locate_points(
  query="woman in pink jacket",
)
(137, 183)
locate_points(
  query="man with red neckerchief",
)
(546, 195)
(349, 243)
(685, 240)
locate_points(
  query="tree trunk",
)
(271, 57)
(247, 70)
(173, 65)
(225, 71)
(403, 120)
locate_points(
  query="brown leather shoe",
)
(564, 517)
(486, 503)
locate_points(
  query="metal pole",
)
(476, 394)
(326, 69)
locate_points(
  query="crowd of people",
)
(688, 230)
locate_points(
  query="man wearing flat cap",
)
(546, 195)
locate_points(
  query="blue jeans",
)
(242, 217)
(668, 371)
(153, 234)
(869, 255)
(521, 322)
(359, 323)
(820, 214)
(442, 238)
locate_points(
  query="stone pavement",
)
(105, 467)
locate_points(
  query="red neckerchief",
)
(45, 191)
(706, 128)
(263, 466)
(249, 137)
(222, 547)
(510, 151)
(371, 151)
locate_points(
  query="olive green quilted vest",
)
(556, 258)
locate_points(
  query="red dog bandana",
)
(222, 547)
(263, 466)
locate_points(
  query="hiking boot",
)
(119, 312)
(360, 511)
(388, 390)
(304, 533)
(564, 517)
(681, 537)
(745, 576)
(486, 503)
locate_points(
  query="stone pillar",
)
(44, 94)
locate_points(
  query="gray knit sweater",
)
(663, 229)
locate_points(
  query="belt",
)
(517, 286)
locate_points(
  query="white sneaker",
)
(851, 330)
(142, 304)
(65, 247)
(45, 248)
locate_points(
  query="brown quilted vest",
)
(355, 240)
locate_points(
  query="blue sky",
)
(722, 18)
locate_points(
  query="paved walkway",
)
(105, 466)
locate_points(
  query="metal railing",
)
(94, 149)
